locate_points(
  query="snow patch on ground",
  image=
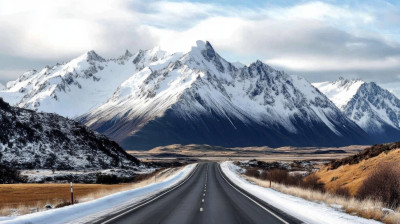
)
(81, 176)
(307, 211)
(92, 210)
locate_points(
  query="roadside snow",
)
(307, 211)
(92, 210)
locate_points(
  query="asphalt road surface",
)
(206, 197)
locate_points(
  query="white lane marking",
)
(205, 185)
(266, 209)
(147, 202)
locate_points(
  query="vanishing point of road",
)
(207, 196)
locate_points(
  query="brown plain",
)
(13, 195)
(25, 197)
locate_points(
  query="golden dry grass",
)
(365, 208)
(352, 176)
(17, 199)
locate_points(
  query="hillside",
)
(30, 140)
(351, 171)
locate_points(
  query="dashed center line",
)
(205, 189)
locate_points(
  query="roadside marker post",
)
(72, 195)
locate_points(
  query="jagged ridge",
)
(374, 109)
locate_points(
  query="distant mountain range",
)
(374, 109)
(153, 98)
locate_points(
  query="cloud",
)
(59, 29)
(319, 40)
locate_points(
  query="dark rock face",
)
(30, 140)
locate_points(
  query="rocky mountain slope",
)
(44, 141)
(374, 109)
(74, 88)
(201, 98)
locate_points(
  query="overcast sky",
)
(320, 40)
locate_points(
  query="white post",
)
(72, 195)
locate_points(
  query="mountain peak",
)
(261, 65)
(341, 81)
(209, 51)
(258, 63)
(128, 53)
(205, 49)
(93, 56)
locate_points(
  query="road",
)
(206, 197)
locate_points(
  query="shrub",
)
(312, 182)
(106, 179)
(294, 180)
(113, 179)
(65, 203)
(282, 176)
(10, 175)
(253, 172)
(279, 176)
(382, 184)
(342, 191)
(264, 175)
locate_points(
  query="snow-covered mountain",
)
(153, 98)
(2, 87)
(74, 88)
(340, 91)
(42, 140)
(201, 98)
(374, 109)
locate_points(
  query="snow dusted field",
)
(307, 211)
(79, 176)
(92, 210)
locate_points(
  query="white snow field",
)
(307, 211)
(340, 91)
(92, 210)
